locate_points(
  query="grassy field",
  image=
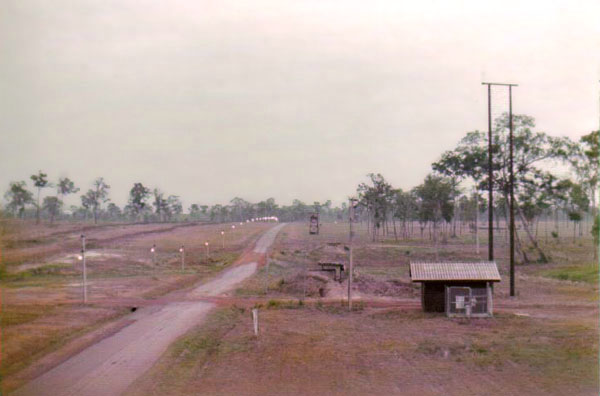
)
(543, 342)
(41, 287)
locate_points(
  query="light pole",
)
(207, 251)
(153, 251)
(182, 251)
(223, 238)
(82, 258)
(351, 237)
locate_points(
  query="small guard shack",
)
(459, 289)
(313, 225)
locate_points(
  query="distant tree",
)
(317, 206)
(87, 202)
(18, 196)
(240, 208)
(405, 206)
(194, 211)
(578, 203)
(52, 205)
(160, 204)
(96, 196)
(585, 159)
(138, 195)
(203, 209)
(114, 212)
(174, 206)
(215, 212)
(65, 186)
(377, 198)
(435, 201)
(40, 181)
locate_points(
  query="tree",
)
(65, 186)
(585, 159)
(95, 197)
(138, 195)
(533, 151)
(40, 181)
(18, 196)
(578, 203)
(172, 206)
(405, 206)
(52, 205)
(114, 212)
(160, 204)
(435, 201)
(377, 199)
(194, 211)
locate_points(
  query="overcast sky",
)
(286, 99)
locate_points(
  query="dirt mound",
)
(389, 288)
(296, 285)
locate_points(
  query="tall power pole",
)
(511, 181)
(512, 196)
(490, 180)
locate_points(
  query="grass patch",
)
(585, 273)
(16, 315)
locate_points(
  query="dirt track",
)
(111, 365)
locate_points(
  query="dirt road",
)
(111, 365)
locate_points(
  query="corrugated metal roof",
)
(483, 270)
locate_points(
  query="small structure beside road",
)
(335, 267)
(459, 289)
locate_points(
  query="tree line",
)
(144, 205)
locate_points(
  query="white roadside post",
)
(207, 251)
(82, 258)
(255, 320)
(223, 238)
(182, 251)
(153, 251)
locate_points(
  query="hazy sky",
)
(290, 99)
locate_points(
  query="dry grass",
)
(41, 289)
(550, 349)
(313, 350)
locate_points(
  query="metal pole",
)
(477, 220)
(84, 269)
(512, 197)
(490, 181)
(351, 269)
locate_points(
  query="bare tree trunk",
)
(543, 257)
(37, 209)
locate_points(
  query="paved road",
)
(111, 365)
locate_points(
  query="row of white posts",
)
(81, 257)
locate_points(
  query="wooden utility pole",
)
(490, 178)
(511, 181)
(351, 237)
(512, 196)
